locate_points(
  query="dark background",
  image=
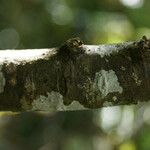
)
(28, 24)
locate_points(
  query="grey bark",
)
(75, 76)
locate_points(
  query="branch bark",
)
(75, 76)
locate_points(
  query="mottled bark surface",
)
(75, 76)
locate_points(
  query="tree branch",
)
(75, 76)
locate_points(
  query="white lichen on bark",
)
(114, 98)
(54, 101)
(136, 79)
(106, 104)
(107, 82)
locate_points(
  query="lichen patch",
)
(75, 105)
(106, 104)
(107, 82)
(136, 79)
(114, 98)
(54, 101)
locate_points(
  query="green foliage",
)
(38, 24)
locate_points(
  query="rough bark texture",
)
(75, 76)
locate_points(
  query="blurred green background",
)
(28, 24)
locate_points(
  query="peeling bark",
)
(75, 76)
